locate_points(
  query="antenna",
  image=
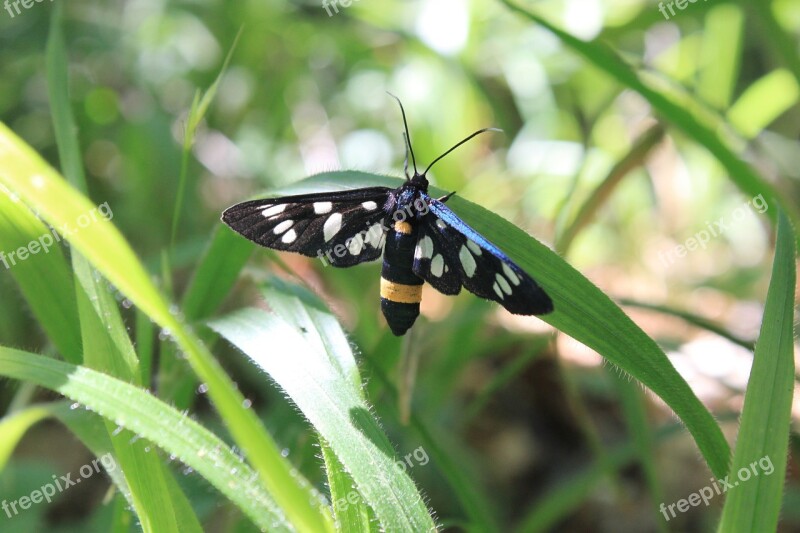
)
(407, 136)
(484, 130)
(405, 162)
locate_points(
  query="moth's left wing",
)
(344, 228)
(450, 254)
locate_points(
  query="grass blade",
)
(44, 278)
(147, 416)
(690, 318)
(349, 510)
(633, 159)
(216, 274)
(197, 112)
(755, 504)
(152, 491)
(322, 379)
(27, 175)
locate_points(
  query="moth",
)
(421, 239)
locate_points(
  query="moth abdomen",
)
(401, 289)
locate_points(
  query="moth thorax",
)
(403, 227)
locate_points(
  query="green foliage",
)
(195, 361)
(763, 439)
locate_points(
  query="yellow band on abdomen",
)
(397, 292)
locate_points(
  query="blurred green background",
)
(584, 164)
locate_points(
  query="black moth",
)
(421, 239)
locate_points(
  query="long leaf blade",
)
(26, 174)
(755, 503)
(321, 378)
(132, 408)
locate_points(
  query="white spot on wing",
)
(289, 236)
(437, 266)
(355, 245)
(283, 226)
(474, 248)
(369, 205)
(501, 281)
(440, 223)
(274, 210)
(332, 226)
(321, 208)
(467, 261)
(510, 274)
(424, 248)
(497, 290)
(374, 234)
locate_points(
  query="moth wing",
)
(344, 228)
(450, 254)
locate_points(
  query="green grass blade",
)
(692, 319)
(216, 274)
(782, 42)
(755, 504)
(569, 493)
(720, 64)
(763, 101)
(444, 452)
(44, 279)
(582, 311)
(92, 430)
(26, 174)
(349, 510)
(632, 160)
(573, 491)
(197, 112)
(13, 427)
(132, 408)
(505, 375)
(321, 378)
(108, 349)
(634, 410)
(106, 345)
(87, 426)
(604, 58)
(66, 130)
